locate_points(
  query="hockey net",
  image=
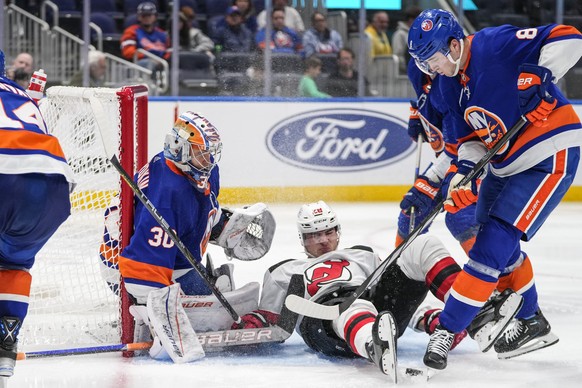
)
(76, 297)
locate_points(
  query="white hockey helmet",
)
(316, 217)
(194, 146)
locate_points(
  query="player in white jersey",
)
(330, 274)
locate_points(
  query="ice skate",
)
(9, 327)
(382, 349)
(438, 348)
(494, 317)
(526, 335)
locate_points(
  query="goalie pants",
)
(33, 207)
(510, 209)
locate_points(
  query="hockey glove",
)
(459, 197)
(415, 127)
(256, 319)
(421, 195)
(431, 320)
(535, 103)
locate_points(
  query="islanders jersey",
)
(156, 42)
(483, 98)
(151, 257)
(25, 145)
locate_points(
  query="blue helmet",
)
(432, 32)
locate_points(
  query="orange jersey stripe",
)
(520, 280)
(563, 30)
(564, 115)
(472, 290)
(15, 281)
(27, 140)
(451, 148)
(142, 271)
(547, 187)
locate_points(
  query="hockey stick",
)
(211, 341)
(101, 121)
(416, 172)
(311, 309)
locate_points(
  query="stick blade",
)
(308, 308)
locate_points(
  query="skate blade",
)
(536, 344)
(489, 333)
(387, 333)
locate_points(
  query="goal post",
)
(76, 296)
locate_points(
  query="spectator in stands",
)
(145, 35)
(283, 39)
(192, 38)
(400, 38)
(21, 69)
(344, 81)
(97, 69)
(307, 85)
(319, 39)
(247, 11)
(376, 31)
(233, 35)
(292, 18)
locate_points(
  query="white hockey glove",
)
(249, 232)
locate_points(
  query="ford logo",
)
(340, 140)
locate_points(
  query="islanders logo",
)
(426, 25)
(487, 125)
(340, 140)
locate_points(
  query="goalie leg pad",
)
(171, 325)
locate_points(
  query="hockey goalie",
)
(171, 301)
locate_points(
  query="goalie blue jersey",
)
(151, 258)
(483, 98)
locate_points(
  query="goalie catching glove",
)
(246, 233)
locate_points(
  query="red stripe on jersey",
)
(518, 279)
(544, 193)
(563, 30)
(142, 271)
(15, 281)
(473, 288)
(354, 324)
(440, 278)
(27, 140)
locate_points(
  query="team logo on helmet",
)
(426, 25)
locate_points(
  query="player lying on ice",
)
(370, 326)
(182, 183)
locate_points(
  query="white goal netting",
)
(75, 298)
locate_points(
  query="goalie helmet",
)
(316, 217)
(194, 146)
(430, 33)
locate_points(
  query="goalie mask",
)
(317, 224)
(430, 34)
(194, 146)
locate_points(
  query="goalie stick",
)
(416, 173)
(101, 119)
(212, 341)
(309, 308)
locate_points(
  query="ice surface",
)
(556, 254)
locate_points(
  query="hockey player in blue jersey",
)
(428, 118)
(490, 80)
(35, 180)
(182, 183)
